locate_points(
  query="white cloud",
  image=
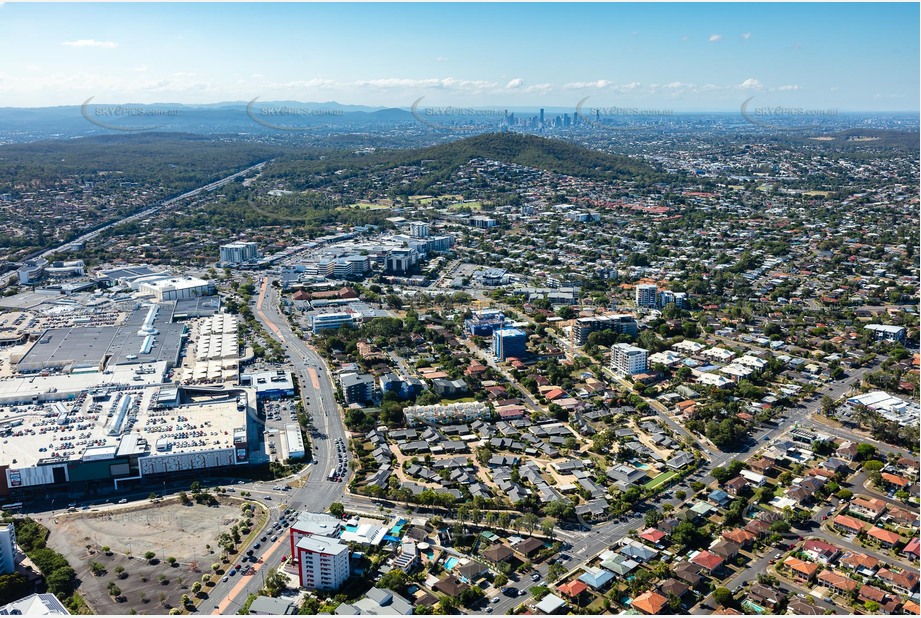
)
(139, 69)
(515, 83)
(598, 83)
(789, 87)
(715, 37)
(90, 43)
(751, 84)
(747, 35)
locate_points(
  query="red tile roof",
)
(650, 602)
(707, 560)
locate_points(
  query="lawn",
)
(665, 476)
(475, 206)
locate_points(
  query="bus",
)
(332, 475)
(12, 507)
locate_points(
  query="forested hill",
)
(441, 161)
(176, 161)
(552, 155)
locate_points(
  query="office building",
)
(323, 562)
(628, 360)
(647, 296)
(239, 252)
(509, 343)
(482, 222)
(7, 549)
(324, 321)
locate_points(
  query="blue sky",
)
(681, 57)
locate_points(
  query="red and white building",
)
(323, 563)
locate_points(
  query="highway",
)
(45, 253)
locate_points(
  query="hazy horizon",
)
(688, 58)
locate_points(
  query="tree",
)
(729, 471)
(13, 586)
(500, 580)
(97, 568)
(866, 451)
(873, 465)
(336, 509)
(780, 526)
(723, 596)
(872, 607)
(113, 589)
(394, 579)
(555, 572)
(195, 487)
(60, 582)
(652, 518)
(149, 555)
(196, 588)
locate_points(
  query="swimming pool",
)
(451, 562)
(395, 531)
(351, 528)
(746, 604)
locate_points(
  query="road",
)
(45, 253)
(317, 493)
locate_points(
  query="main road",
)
(317, 492)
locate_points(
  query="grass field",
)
(477, 206)
(819, 193)
(660, 479)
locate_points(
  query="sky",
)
(663, 57)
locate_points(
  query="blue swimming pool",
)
(351, 528)
(395, 531)
(451, 562)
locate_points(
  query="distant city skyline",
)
(666, 58)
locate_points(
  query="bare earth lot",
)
(168, 529)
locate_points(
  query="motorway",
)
(149, 211)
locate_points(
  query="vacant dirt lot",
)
(168, 529)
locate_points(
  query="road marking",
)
(314, 378)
